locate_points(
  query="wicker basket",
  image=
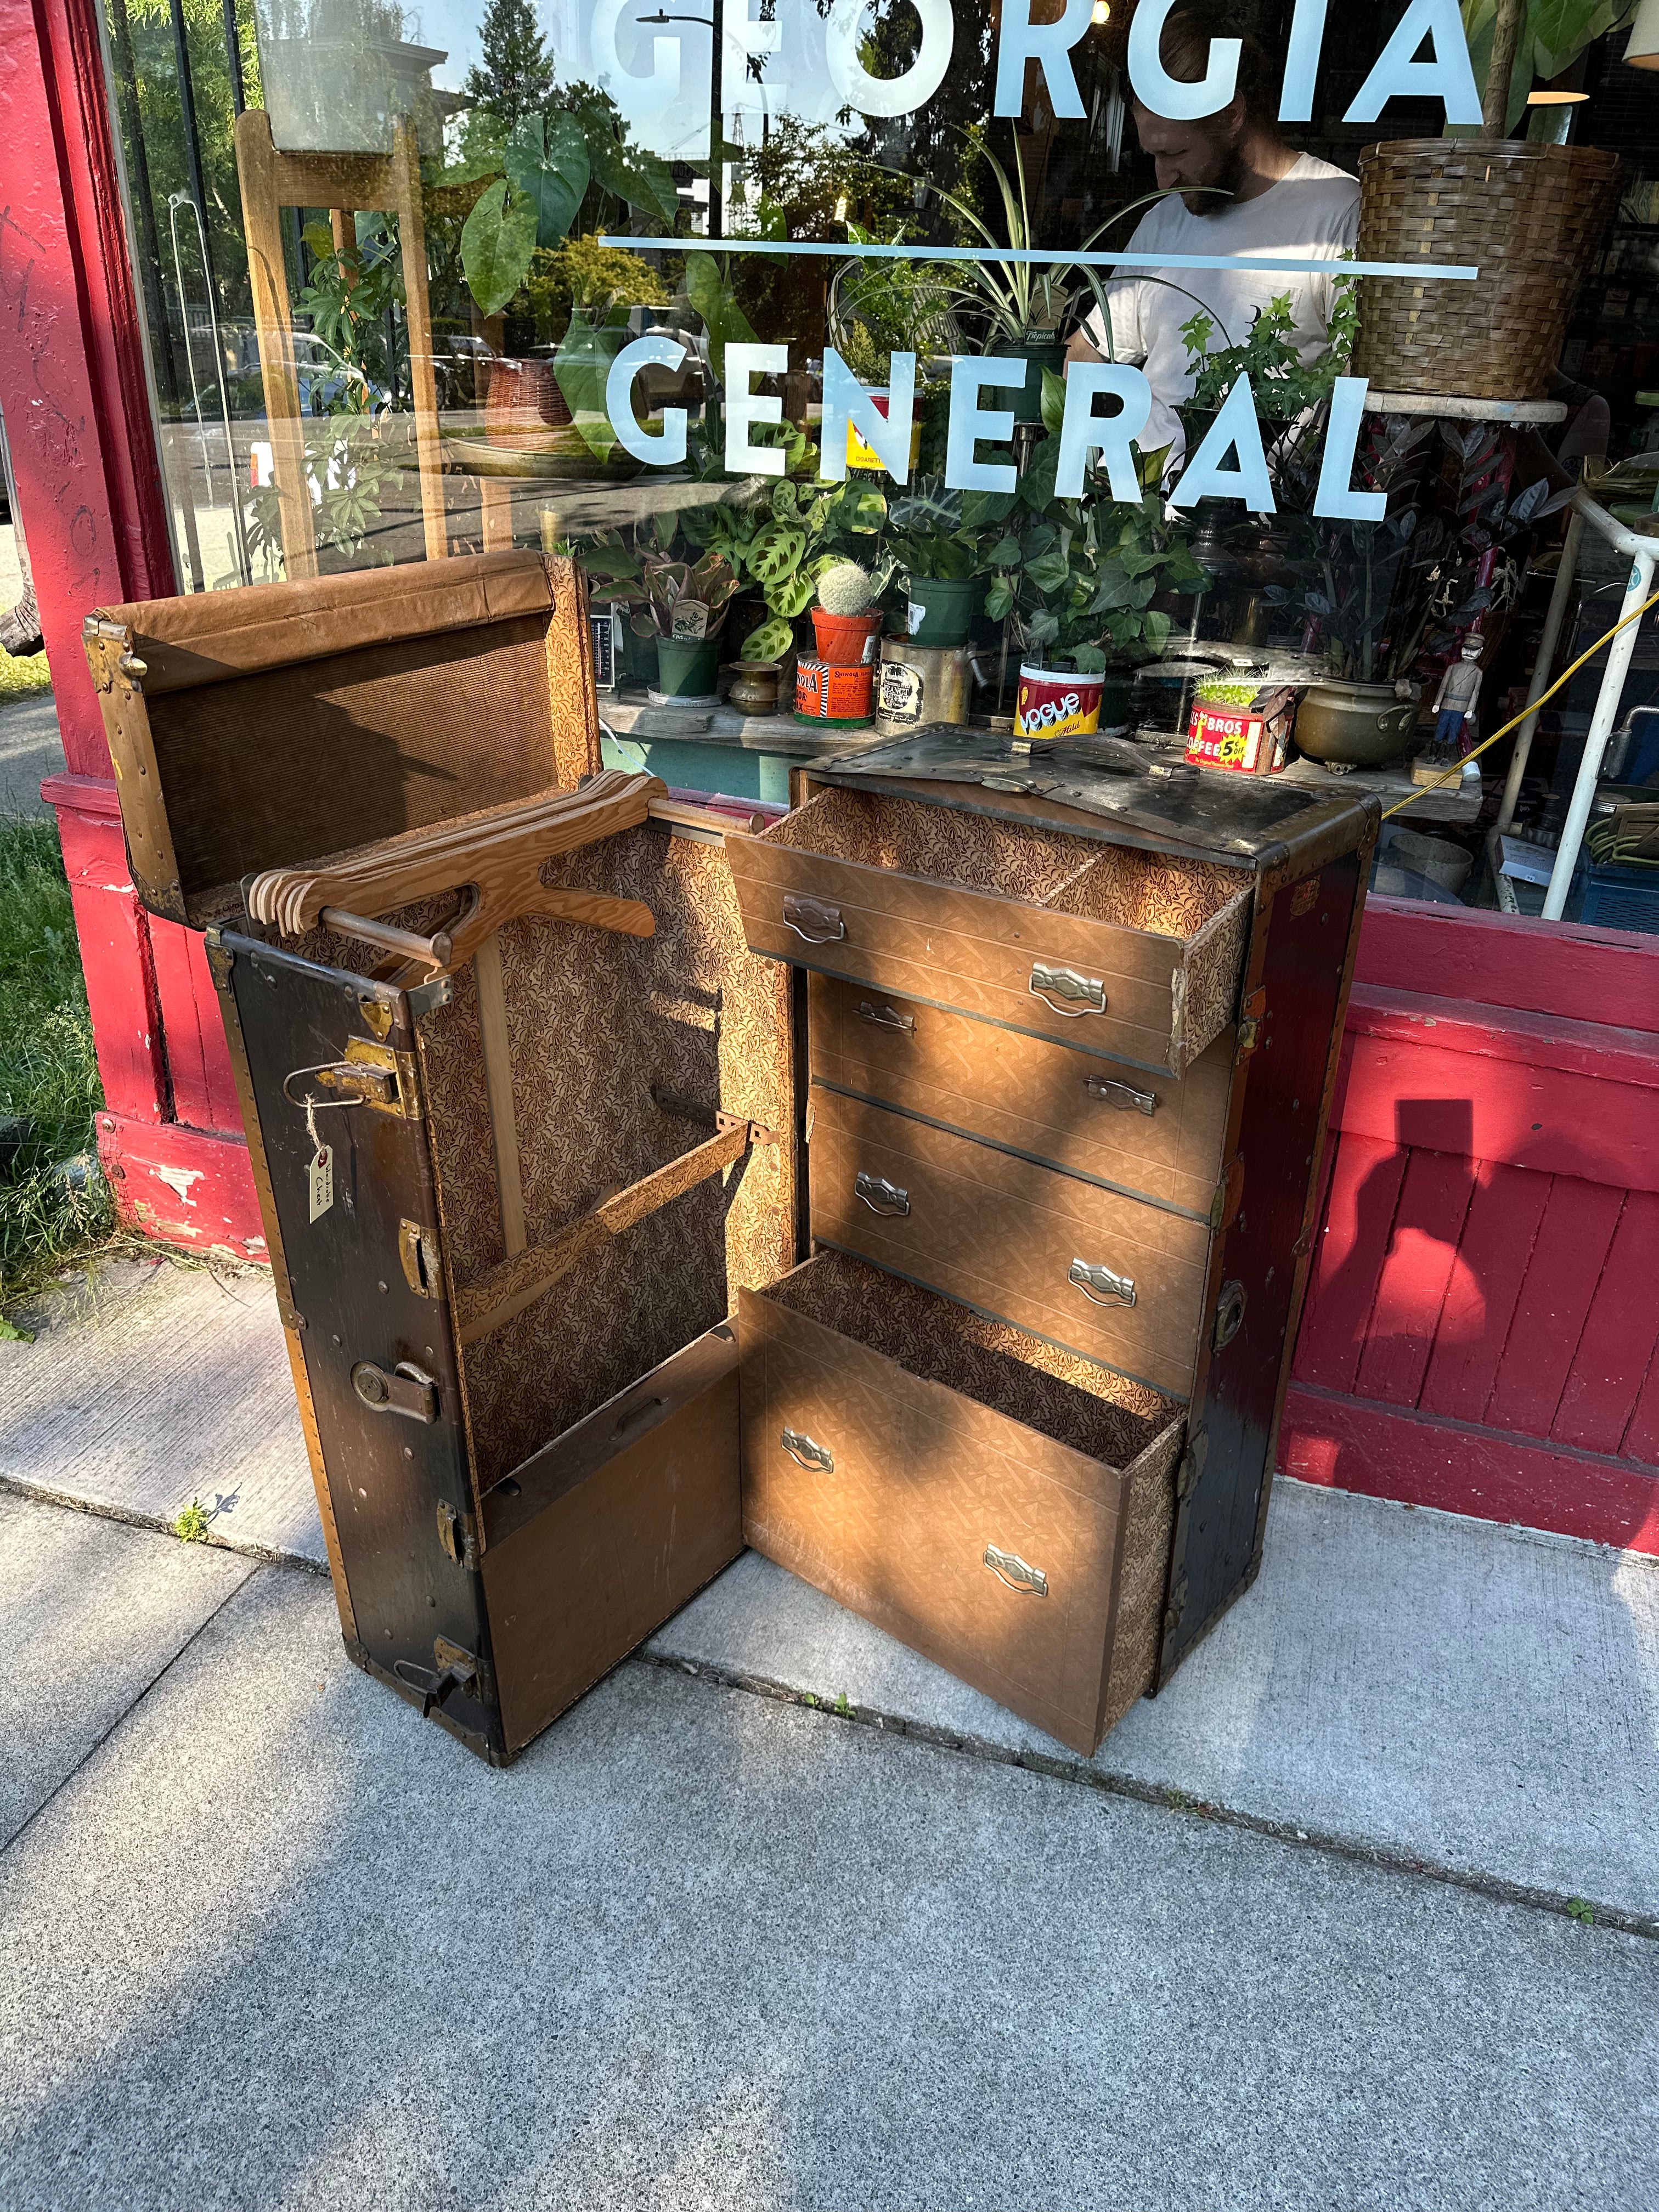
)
(1527, 216)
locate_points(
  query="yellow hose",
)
(1475, 751)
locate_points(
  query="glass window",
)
(807, 324)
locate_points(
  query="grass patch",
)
(19, 679)
(49, 1087)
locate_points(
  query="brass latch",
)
(457, 1534)
(1252, 1016)
(417, 1253)
(454, 1669)
(370, 1074)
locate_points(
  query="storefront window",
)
(806, 325)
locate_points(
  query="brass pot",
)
(1354, 724)
(754, 687)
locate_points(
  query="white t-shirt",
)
(1311, 212)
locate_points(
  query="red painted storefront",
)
(1482, 1320)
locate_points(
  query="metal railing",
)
(1644, 556)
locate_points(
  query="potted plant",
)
(846, 622)
(684, 608)
(1022, 307)
(937, 565)
(1076, 580)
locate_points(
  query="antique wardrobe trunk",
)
(918, 1189)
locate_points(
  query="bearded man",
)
(1235, 187)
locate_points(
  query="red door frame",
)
(76, 403)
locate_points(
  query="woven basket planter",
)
(1527, 216)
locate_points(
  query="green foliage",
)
(1581, 1909)
(877, 307)
(928, 537)
(1077, 578)
(584, 276)
(553, 170)
(1283, 385)
(1010, 302)
(27, 673)
(514, 75)
(346, 298)
(708, 287)
(497, 241)
(581, 366)
(817, 184)
(49, 1086)
(1553, 33)
(769, 642)
(546, 160)
(191, 1525)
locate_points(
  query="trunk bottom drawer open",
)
(1023, 1549)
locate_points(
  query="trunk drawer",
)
(1025, 1550)
(1125, 952)
(1155, 1133)
(1014, 1238)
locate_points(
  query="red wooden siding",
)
(1482, 1328)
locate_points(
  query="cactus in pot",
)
(844, 621)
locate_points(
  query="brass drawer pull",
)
(1100, 1285)
(811, 919)
(1123, 1096)
(885, 1017)
(1086, 992)
(1018, 1573)
(880, 1195)
(817, 1458)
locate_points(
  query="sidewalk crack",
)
(126, 1713)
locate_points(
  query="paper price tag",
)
(321, 1173)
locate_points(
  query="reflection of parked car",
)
(460, 367)
(330, 384)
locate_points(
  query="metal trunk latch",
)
(1228, 1314)
(454, 1669)
(408, 1389)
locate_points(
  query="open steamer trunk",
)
(558, 1345)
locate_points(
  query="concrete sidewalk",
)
(266, 1939)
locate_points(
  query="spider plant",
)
(1019, 300)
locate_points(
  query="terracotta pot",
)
(524, 402)
(846, 640)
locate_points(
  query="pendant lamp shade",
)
(1643, 52)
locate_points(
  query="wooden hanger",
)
(495, 857)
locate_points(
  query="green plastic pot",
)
(687, 667)
(943, 608)
(1041, 353)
